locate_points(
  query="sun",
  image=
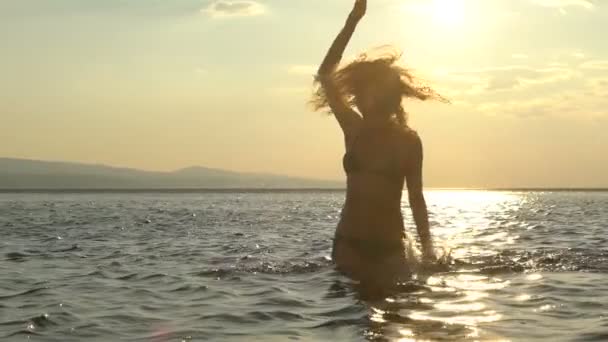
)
(448, 13)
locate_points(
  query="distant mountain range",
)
(35, 174)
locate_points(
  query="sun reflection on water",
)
(454, 305)
(473, 223)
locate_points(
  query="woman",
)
(382, 152)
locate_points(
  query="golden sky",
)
(162, 85)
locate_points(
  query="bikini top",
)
(391, 171)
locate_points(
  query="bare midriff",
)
(372, 210)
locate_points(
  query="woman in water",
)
(382, 153)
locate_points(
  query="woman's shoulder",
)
(409, 143)
(408, 135)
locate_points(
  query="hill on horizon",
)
(37, 174)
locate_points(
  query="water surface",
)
(246, 266)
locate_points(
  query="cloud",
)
(563, 4)
(236, 8)
(507, 78)
(598, 87)
(522, 109)
(578, 55)
(571, 103)
(577, 90)
(589, 101)
(595, 65)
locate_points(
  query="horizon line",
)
(278, 189)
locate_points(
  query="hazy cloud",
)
(236, 8)
(522, 109)
(595, 65)
(506, 78)
(601, 83)
(578, 55)
(573, 104)
(504, 91)
(563, 4)
(587, 101)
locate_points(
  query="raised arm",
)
(346, 116)
(417, 201)
(334, 55)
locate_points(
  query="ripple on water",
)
(528, 266)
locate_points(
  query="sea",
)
(238, 265)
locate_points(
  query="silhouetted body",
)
(382, 154)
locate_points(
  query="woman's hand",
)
(358, 11)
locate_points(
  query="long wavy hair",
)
(376, 74)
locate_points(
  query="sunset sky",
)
(165, 84)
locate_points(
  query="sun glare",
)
(448, 13)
